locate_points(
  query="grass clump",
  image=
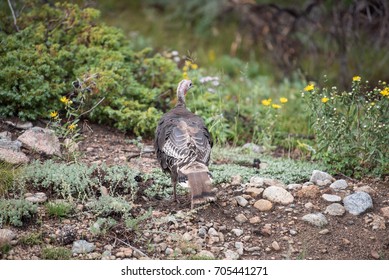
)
(8, 173)
(59, 209)
(16, 211)
(102, 226)
(56, 253)
(31, 239)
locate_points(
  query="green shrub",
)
(31, 239)
(57, 44)
(108, 205)
(7, 176)
(351, 127)
(59, 209)
(78, 180)
(56, 253)
(102, 226)
(16, 211)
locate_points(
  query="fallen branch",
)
(13, 15)
(132, 247)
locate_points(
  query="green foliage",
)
(31, 239)
(56, 253)
(56, 45)
(60, 209)
(133, 223)
(7, 175)
(108, 205)
(102, 226)
(16, 211)
(351, 127)
(78, 180)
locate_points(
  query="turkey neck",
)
(181, 99)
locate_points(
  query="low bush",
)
(16, 211)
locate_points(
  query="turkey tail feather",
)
(200, 184)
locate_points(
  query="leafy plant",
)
(102, 226)
(56, 253)
(133, 223)
(16, 211)
(7, 175)
(351, 127)
(59, 209)
(107, 205)
(31, 239)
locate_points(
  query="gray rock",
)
(339, 185)
(237, 231)
(275, 246)
(385, 211)
(202, 232)
(186, 236)
(82, 247)
(320, 175)
(38, 197)
(169, 251)
(239, 247)
(6, 136)
(10, 145)
(241, 200)
(293, 232)
(278, 195)
(254, 192)
(274, 182)
(231, 255)
(263, 205)
(13, 157)
(331, 197)
(236, 180)
(335, 209)
(324, 231)
(19, 124)
(366, 189)
(41, 140)
(212, 231)
(357, 203)
(6, 236)
(324, 183)
(316, 219)
(206, 254)
(292, 187)
(257, 181)
(240, 218)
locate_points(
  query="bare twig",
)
(97, 104)
(132, 247)
(13, 15)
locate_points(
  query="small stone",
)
(213, 239)
(375, 254)
(331, 197)
(254, 192)
(206, 254)
(292, 187)
(274, 182)
(6, 236)
(82, 247)
(339, 185)
(231, 255)
(378, 222)
(292, 232)
(187, 236)
(320, 175)
(316, 219)
(275, 246)
(255, 220)
(169, 251)
(212, 231)
(202, 232)
(236, 180)
(323, 183)
(366, 189)
(278, 195)
(237, 231)
(385, 211)
(38, 197)
(257, 181)
(335, 209)
(128, 252)
(240, 218)
(241, 201)
(311, 191)
(263, 205)
(13, 157)
(89, 149)
(239, 247)
(308, 205)
(346, 241)
(266, 230)
(5, 136)
(324, 231)
(357, 203)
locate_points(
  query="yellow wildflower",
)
(266, 102)
(64, 100)
(194, 66)
(188, 63)
(283, 100)
(185, 68)
(185, 75)
(356, 79)
(276, 106)
(325, 99)
(385, 91)
(54, 114)
(72, 126)
(309, 87)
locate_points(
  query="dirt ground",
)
(175, 232)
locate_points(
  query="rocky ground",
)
(322, 218)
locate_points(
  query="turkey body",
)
(183, 148)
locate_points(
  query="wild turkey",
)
(183, 147)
